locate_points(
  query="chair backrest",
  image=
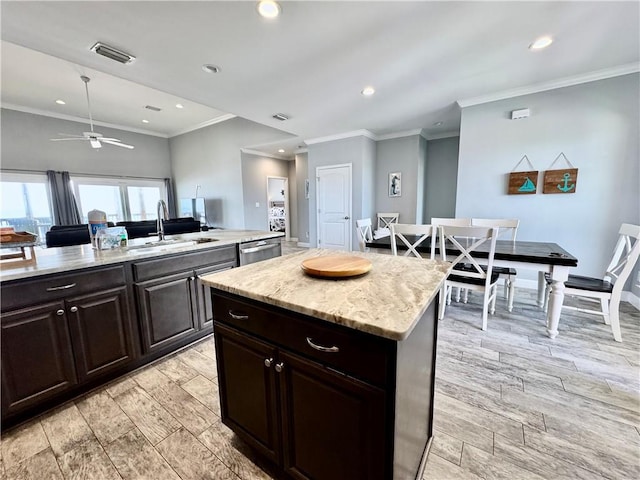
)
(625, 255)
(386, 219)
(465, 240)
(451, 222)
(506, 226)
(363, 229)
(399, 230)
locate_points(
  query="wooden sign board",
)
(560, 181)
(523, 183)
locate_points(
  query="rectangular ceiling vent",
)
(151, 107)
(112, 53)
(281, 116)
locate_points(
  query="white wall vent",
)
(112, 53)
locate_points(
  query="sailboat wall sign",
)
(560, 181)
(523, 183)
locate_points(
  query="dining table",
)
(544, 257)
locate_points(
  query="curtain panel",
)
(65, 208)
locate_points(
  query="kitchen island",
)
(77, 317)
(330, 379)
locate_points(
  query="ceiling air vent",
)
(281, 116)
(151, 107)
(112, 53)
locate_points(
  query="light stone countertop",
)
(388, 301)
(64, 259)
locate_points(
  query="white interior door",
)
(333, 187)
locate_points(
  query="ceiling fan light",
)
(268, 8)
(61, 102)
(540, 43)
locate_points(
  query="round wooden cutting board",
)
(336, 266)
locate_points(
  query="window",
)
(26, 203)
(120, 199)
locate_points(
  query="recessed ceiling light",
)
(268, 8)
(210, 68)
(145, 121)
(61, 102)
(540, 43)
(368, 91)
(281, 150)
(179, 105)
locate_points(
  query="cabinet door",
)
(248, 395)
(100, 331)
(205, 306)
(325, 411)
(37, 358)
(167, 310)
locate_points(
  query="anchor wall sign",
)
(523, 183)
(560, 181)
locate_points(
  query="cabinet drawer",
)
(355, 353)
(25, 292)
(182, 262)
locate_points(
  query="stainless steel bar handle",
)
(235, 316)
(259, 249)
(62, 287)
(74, 309)
(333, 349)
(60, 312)
(279, 367)
(268, 362)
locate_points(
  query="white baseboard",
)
(626, 296)
(302, 244)
(292, 239)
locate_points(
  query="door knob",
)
(346, 218)
(73, 309)
(279, 367)
(268, 362)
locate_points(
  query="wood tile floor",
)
(510, 404)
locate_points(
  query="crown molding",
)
(438, 136)
(265, 154)
(71, 118)
(341, 136)
(301, 150)
(552, 85)
(407, 133)
(213, 121)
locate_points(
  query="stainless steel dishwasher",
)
(251, 252)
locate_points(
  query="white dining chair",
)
(507, 228)
(606, 290)
(452, 222)
(399, 232)
(467, 273)
(386, 219)
(363, 229)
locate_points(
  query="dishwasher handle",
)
(260, 248)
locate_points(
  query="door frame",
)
(287, 229)
(326, 167)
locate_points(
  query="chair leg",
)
(605, 310)
(465, 299)
(449, 295)
(485, 308)
(493, 299)
(507, 284)
(458, 290)
(512, 291)
(614, 316)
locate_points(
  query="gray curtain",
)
(65, 209)
(171, 198)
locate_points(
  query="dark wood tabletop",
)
(518, 251)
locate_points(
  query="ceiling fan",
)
(95, 139)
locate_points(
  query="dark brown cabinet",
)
(50, 348)
(296, 404)
(171, 299)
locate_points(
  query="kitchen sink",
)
(167, 244)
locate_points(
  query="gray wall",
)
(302, 174)
(405, 155)
(210, 157)
(360, 153)
(255, 170)
(441, 178)
(26, 146)
(596, 125)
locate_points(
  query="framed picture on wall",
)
(395, 184)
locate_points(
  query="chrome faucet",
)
(163, 214)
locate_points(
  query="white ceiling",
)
(310, 63)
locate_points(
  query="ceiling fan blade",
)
(117, 144)
(70, 135)
(65, 139)
(102, 139)
(95, 143)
